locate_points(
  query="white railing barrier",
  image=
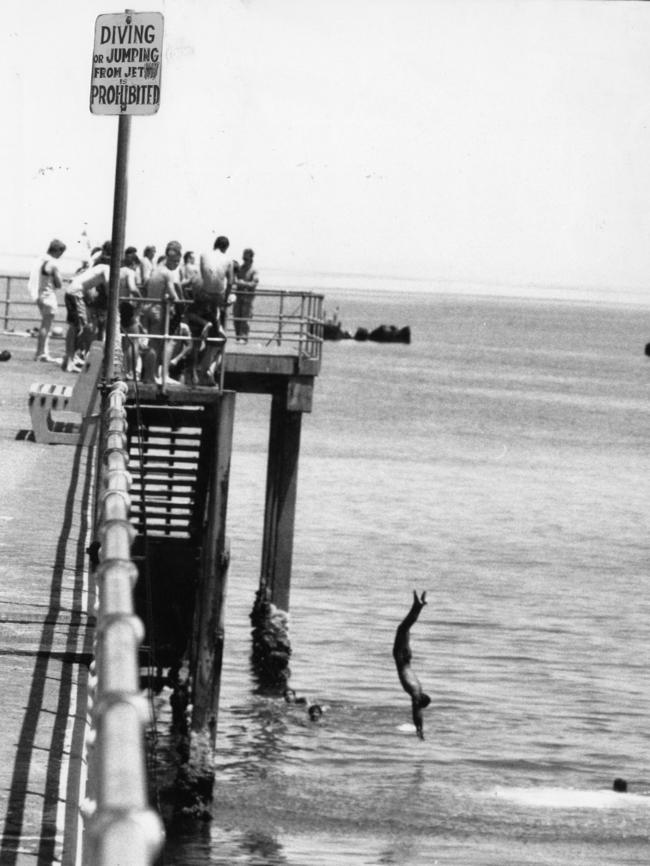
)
(121, 827)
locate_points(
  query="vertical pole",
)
(7, 303)
(164, 351)
(301, 328)
(280, 506)
(117, 241)
(280, 319)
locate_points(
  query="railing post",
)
(301, 327)
(164, 354)
(280, 318)
(7, 303)
(312, 326)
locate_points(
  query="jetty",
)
(114, 568)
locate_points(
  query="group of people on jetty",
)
(197, 296)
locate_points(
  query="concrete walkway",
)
(45, 630)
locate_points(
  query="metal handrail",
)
(290, 319)
(121, 826)
(168, 339)
(9, 300)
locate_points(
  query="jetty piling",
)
(208, 627)
(280, 505)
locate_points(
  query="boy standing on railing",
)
(210, 302)
(218, 276)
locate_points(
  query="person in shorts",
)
(77, 338)
(43, 284)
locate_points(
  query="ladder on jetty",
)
(177, 455)
(164, 463)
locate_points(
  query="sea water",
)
(500, 462)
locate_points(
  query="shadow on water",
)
(216, 846)
(262, 845)
(243, 828)
(256, 737)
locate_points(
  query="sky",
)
(495, 141)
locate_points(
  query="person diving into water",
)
(402, 655)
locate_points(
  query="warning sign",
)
(127, 60)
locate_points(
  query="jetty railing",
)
(289, 319)
(285, 322)
(17, 310)
(121, 827)
(282, 318)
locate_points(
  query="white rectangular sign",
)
(127, 60)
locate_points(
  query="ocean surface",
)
(501, 463)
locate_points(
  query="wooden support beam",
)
(300, 393)
(280, 506)
(208, 630)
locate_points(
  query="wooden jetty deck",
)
(46, 596)
(45, 627)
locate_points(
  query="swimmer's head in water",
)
(425, 700)
(290, 696)
(620, 785)
(315, 712)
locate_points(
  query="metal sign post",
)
(117, 245)
(125, 80)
